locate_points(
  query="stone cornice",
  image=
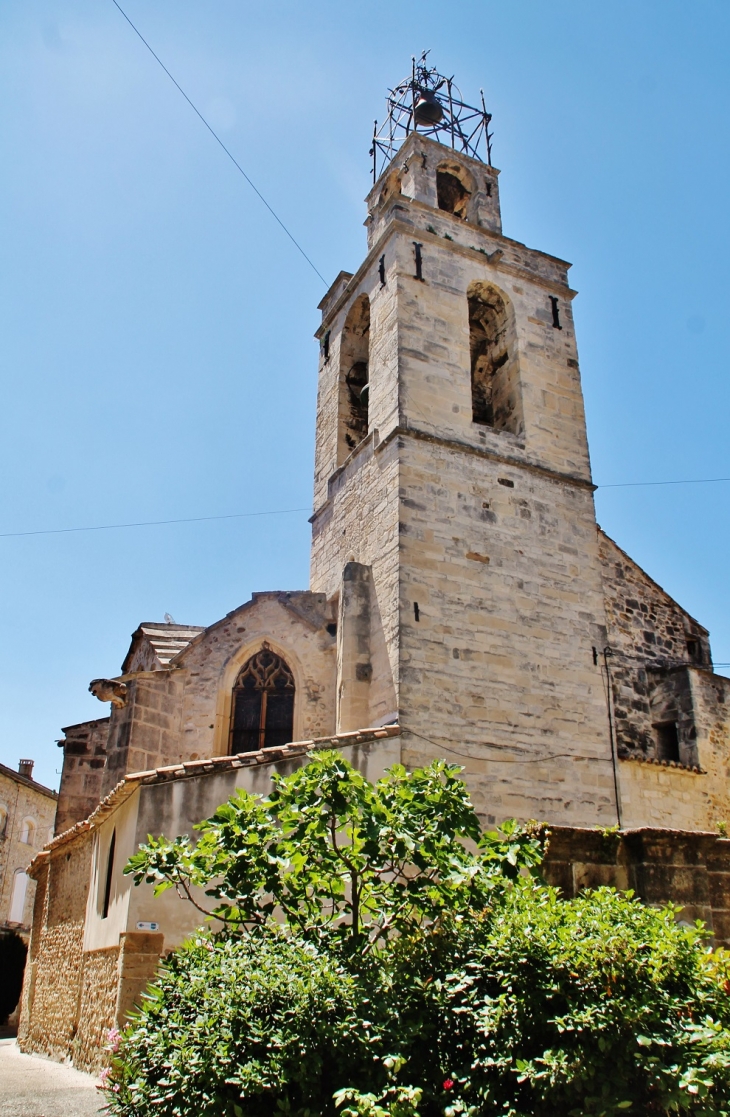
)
(425, 237)
(450, 444)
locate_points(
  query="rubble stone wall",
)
(97, 1009)
(53, 980)
(695, 797)
(651, 638)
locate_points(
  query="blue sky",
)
(156, 325)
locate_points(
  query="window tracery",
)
(263, 703)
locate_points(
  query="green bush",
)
(540, 1006)
(454, 983)
(242, 1026)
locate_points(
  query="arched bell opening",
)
(354, 378)
(495, 389)
(262, 714)
(454, 189)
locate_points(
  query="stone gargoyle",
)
(109, 690)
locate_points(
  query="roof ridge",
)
(28, 781)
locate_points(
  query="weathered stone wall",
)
(40, 906)
(146, 732)
(653, 644)
(382, 371)
(139, 959)
(666, 794)
(660, 866)
(365, 530)
(183, 712)
(99, 980)
(49, 1020)
(642, 618)
(82, 778)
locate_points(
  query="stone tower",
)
(454, 518)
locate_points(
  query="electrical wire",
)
(499, 759)
(153, 523)
(643, 484)
(218, 140)
(660, 662)
(286, 511)
(623, 484)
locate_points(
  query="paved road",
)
(34, 1087)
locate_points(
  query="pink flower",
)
(104, 1075)
(113, 1039)
(448, 1083)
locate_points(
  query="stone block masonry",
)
(499, 664)
(84, 763)
(660, 866)
(463, 604)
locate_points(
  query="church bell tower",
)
(453, 519)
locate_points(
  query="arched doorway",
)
(13, 952)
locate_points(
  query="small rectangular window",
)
(667, 741)
(109, 875)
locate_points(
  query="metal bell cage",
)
(432, 104)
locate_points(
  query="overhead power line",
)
(640, 484)
(287, 511)
(151, 523)
(218, 140)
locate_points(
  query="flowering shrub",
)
(420, 970)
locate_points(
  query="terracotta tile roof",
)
(189, 768)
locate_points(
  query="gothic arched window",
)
(263, 703)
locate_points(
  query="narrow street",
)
(31, 1086)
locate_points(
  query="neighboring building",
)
(463, 602)
(27, 812)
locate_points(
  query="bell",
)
(428, 108)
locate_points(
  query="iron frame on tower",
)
(466, 127)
